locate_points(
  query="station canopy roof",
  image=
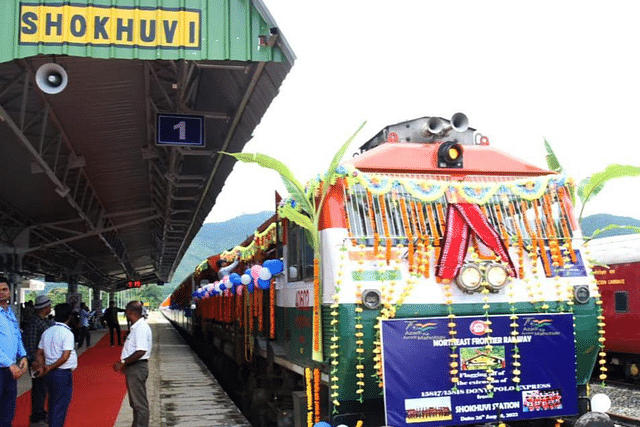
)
(87, 192)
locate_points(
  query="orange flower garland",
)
(512, 212)
(316, 304)
(543, 252)
(385, 224)
(407, 231)
(359, 344)
(316, 393)
(565, 226)
(272, 309)
(434, 229)
(308, 375)
(372, 218)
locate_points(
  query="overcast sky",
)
(521, 71)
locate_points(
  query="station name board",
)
(110, 26)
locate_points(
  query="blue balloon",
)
(222, 287)
(322, 424)
(275, 266)
(264, 284)
(247, 272)
(250, 286)
(235, 279)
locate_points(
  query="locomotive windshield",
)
(413, 212)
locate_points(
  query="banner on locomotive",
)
(501, 375)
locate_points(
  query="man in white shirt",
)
(134, 363)
(85, 315)
(56, 359)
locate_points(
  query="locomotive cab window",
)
(299, 254)
(621, 302)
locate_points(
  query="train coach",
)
(617, 270)
(446, 285)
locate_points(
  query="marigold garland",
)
(434, 230)
(424, 239)
(316, 394)
(601, 324)
(385, 225)
(308, 375)
(520, 241)
(408, 233)
(359, 334)
(272, 309)
(453, 350)
(335, 339)
(565, 226)
(316, 304)
(372, 219)
(543, 252)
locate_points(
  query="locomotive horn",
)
(51, 78)
(434, 126)
(459, 122)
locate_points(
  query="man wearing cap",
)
(134, 363)
(31, 337)
(57, 358)
(13, 357)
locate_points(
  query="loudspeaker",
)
(51, 78)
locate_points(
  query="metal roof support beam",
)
(64, 158)
(236, 120)
(106, 230)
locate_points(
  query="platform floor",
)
(181, 390)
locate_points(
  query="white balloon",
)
(245, 279)
(600, 403)
(264, 274)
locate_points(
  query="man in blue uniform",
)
(13, 357)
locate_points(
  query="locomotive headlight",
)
(581, 294)
(496, 275)
(371, 298)
(469, 278)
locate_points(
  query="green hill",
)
(595, 222)
(214, 238)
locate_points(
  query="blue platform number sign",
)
(531, 372)
(181, 130)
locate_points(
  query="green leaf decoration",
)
(554, 164)
(595, 183)
(552, 161)
(614, 227)
(293, 186)
(300, 219)
(340, 154)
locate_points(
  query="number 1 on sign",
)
(182, 126)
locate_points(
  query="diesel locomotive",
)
(448, 286)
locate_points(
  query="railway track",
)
(625, 397)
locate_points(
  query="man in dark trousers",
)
(57, 359)
(111, 317)
(134, 363)
(13, 357)
(31, 338)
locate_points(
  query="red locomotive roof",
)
(402, 157)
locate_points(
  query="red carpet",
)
(97, 390)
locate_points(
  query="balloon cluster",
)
(235, 284)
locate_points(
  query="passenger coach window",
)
(621, 301)
(299, 254)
